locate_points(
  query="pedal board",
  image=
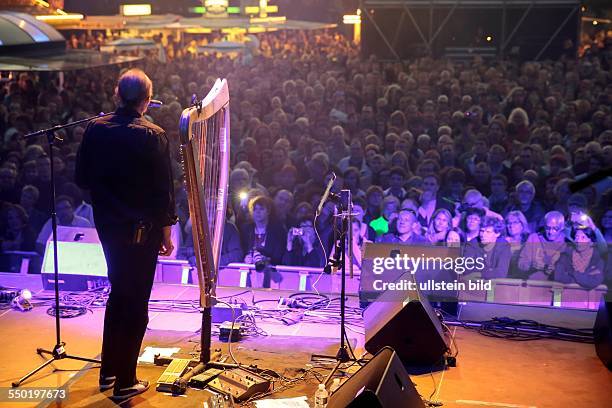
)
(173, 372)
(201, 380)
(214, 399)
(241, 384)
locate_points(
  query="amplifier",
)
(81, 261)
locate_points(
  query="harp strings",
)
(207, 138)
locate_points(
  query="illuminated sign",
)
(351, 19)
(135, 9)
(60, 17)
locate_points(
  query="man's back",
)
(124, 161)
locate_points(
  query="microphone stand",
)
(346, 239)
(59, 351)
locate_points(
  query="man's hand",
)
(167, 246)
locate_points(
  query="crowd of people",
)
(479, 154)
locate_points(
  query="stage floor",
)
(490, 372)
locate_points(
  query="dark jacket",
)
(497, 262)
(296, 257)
(124, 161)
(231, 250)
(394, 238)
(275, 244)
(592, 277)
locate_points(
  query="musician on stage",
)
(124, 161)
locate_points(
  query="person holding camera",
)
(303, 248)
(262, 239)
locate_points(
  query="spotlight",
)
(595, 22)
(489, 38)
(22, 302)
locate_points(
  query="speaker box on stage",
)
(410, 327)
(383, 382)
(81, 262)
(602, 332)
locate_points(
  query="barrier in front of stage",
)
(295, 278)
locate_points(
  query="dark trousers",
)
(131, 269)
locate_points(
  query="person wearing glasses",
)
(517, 232)
(405, 230)
(543, 249)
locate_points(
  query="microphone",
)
(154, 103)
(326, 193)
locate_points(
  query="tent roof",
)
(68, 61)
(203, 24)
(23, 29)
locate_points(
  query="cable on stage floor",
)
(523, 330)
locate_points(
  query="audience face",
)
(396, 181)
(260, 214)
(430, 185)
(358, 212)
(527, 158)
(488, 235)
(351, 180)
(498, 187)
(283, 202)
(582, 238)
(65, 212)
(239, 181)
(405, 222)
(356, 150)
(8, 177)
(375, 199)
(28, 199)
(441, 222)
(472, 200)
(472, 222)
(525, 195)
(304, 212)
(14, 220)
(389, 209)
(514, 225)
(554, 228)
(377, 164)
(482, 174)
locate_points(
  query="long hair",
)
(431, 228)
(521, 217)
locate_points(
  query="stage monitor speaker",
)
(383, 382)
(410, 327)
(81, 261)
(602, 331)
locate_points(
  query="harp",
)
(204, 133)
